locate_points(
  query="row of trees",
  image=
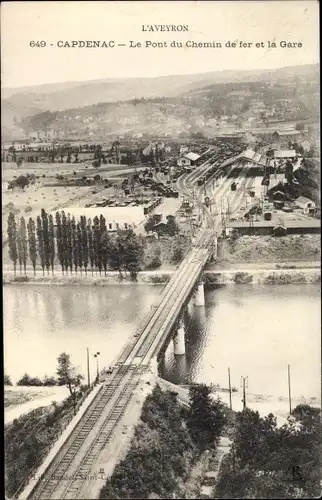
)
(76, 246)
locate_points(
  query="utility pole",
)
(244, 385)
(96, 355)
(289, 386)
(229, 385)
(88, 375)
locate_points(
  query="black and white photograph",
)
(161, 249)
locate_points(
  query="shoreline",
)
(270, 274)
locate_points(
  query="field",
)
(46, 194)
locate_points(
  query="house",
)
(184, 149)
(285, 154)
(278, 195)
(279, 135)
(308, 206)
(188, 160)
(117, 218)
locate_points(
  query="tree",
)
(172, 226)
(12, 240)
(64, 230)
(75, 244)
(300, 126)
(51, 242)
(90, 244)
(79, 248)
(96, 244)
(22, 244)
(68, 376)
(206, 417)
(59, 241)
(32, 243)
(40, 244)
(22, 181)
(133, 252)
(105, 248)
(84, 239)
(7, 380)
(70, 225)
(45, 236)
(271, 461)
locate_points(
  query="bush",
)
(177, 255)
(243, 278)
(28, 209)
(21, 279)
(154, 263)
(26, 380)
(7, 380)
(22, 181)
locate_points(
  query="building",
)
(288, 135)
(117, 218)
(184, 149)
(285, 154)
(307, 205)
(188, 160)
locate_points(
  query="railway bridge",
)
(65, 475)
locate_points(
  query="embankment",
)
(270, 276)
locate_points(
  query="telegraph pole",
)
(88, 375)
(229, 385)
(289, 386)
(244, 384)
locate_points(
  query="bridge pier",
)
(179, 346)
(200, 295)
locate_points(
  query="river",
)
(255, 330)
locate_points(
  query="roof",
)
(192, 156)
(303, 200)
(117, 214)
(287, 132)
(285, 153)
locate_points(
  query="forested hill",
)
(165, 103)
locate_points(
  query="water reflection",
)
(42, 321)
(256, 331)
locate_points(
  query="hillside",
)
(210, 87)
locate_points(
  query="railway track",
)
(94, 431)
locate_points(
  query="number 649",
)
(42, 43)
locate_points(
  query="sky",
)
(247, 21)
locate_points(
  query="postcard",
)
(161, 249)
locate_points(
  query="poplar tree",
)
(40, 244)
(79, 249)
(45, 235)
(90, 244)
(96, 244)
(12, 240)
(64, 240)
(69, 242)
(85, 248)
(19, 246)
(24, 244)
(32, 243)
(51, 242)
(74, 244)
(105, 249)
(60, 248)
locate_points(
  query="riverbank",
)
(276, 273)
